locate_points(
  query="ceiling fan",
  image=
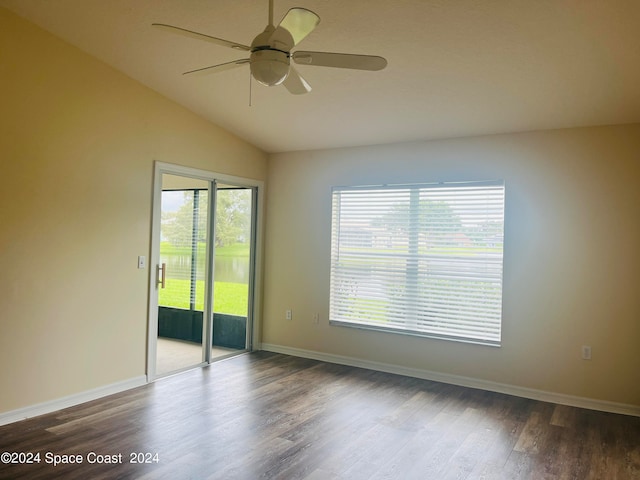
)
(270, 52)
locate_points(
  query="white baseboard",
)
(559, 398)
(71, 400)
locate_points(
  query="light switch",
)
(142, 261)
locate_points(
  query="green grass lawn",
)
(231, 298)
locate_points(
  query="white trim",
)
(71, 400)
(559, 398)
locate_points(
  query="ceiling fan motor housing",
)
(269, 67)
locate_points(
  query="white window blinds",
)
(419, 259)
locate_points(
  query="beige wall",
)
(571, 262)
(77, 145)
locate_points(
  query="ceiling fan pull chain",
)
(250, 87)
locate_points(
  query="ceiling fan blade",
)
(218, 68)
(340, 60)
(295, 83)
(299, 22)
(201, 36)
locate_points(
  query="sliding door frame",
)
(255, 282)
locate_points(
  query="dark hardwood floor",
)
(268, 415)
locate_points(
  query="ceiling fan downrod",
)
(271, 12)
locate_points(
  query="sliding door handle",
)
(162, 270)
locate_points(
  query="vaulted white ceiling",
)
(456, 67)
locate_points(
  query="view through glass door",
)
(233, 254)
(206, 264)
(183, 249)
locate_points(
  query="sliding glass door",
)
(202, 290)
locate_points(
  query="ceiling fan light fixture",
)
(269, 67)
(270, 57)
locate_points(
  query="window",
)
(419, 259)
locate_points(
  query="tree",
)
(437, 222)
(233, 218)
(177, 226)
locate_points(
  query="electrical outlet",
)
(586, 352)
(288, 315)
